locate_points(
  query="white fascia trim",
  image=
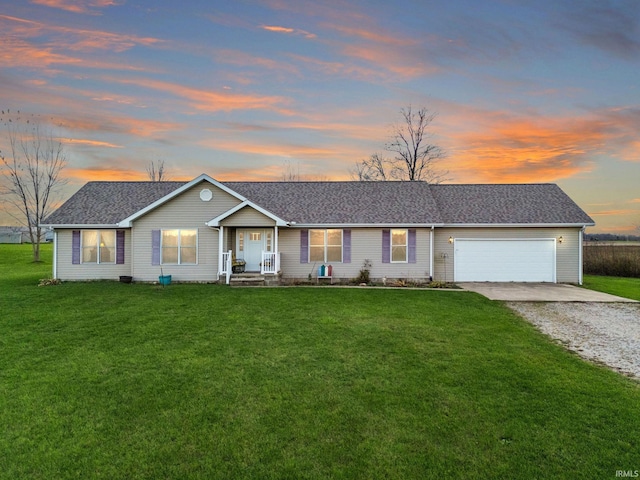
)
(246, 203)
(516, 225)
(204, 177)
(83, 226)
(363, 225)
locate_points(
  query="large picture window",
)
(98, 246)
(325, 245)
(179, 247)
(399, 246)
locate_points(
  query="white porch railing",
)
(270, 263)
(225, 265)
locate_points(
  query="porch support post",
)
(275, 239)
(220, 249)
(275, 249)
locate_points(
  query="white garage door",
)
(497, 260)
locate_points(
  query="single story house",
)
(410, 230)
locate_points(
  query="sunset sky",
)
(525, 91)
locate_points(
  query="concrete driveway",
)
(539, 292)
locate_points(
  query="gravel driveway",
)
(607, 333)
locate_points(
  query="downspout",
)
(55, 254)
(580, 260)
(431, 234)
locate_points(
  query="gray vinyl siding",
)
(186, 211)
(567, 252)
(248, 217)
(88, 271)
(366, 243)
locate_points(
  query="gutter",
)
(517, 225)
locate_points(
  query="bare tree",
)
(414, 157)
(372, 169)
(31, 171)
(157, 172)
(289, 173)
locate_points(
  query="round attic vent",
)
(206, 195)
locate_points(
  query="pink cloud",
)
(211, 101)
(290, 31)
(76, 6)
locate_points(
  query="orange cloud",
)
(346, 69)
(614, 212)
(526, 149)
(294, 31)
(402, 56)
(401, 62)
(206, 100)
(18, 53)
(74, 38)
(90, 143)
(375, 35)
(75, 6)
(104, 174)
(119, 125)
(273, 149)
(243, 59)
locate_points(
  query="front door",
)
(250, 245)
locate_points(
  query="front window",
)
(399, 246)
(98, 246)
(325, 245)
(179, 247)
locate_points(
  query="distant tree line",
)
(610, 237)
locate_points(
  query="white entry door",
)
(250, 245)
(509, 260)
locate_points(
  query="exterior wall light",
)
(560, 239)
(450, 239)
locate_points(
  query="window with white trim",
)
(399, 246)
(179, 247)
(325, 245)
(98, 246)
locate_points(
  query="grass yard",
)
(623, 287)
(108, 380)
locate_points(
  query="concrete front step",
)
(246, 279)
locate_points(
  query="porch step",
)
(246, 280)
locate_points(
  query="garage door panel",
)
(498, 260)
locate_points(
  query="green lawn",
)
(623, 287)
(107, 380)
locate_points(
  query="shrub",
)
(364, 275)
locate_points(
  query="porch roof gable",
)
(215, 222)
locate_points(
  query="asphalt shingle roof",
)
(343, 202)
(508, 203)
(107, 203)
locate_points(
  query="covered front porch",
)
(248, 250)
(248, 241)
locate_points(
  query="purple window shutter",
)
(346, 246)
(75, 247)
(412, 245)
(155, 247)
(304, 246)
(386, 246)
(120, 247)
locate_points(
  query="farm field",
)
(612, 259)
(109, 380)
